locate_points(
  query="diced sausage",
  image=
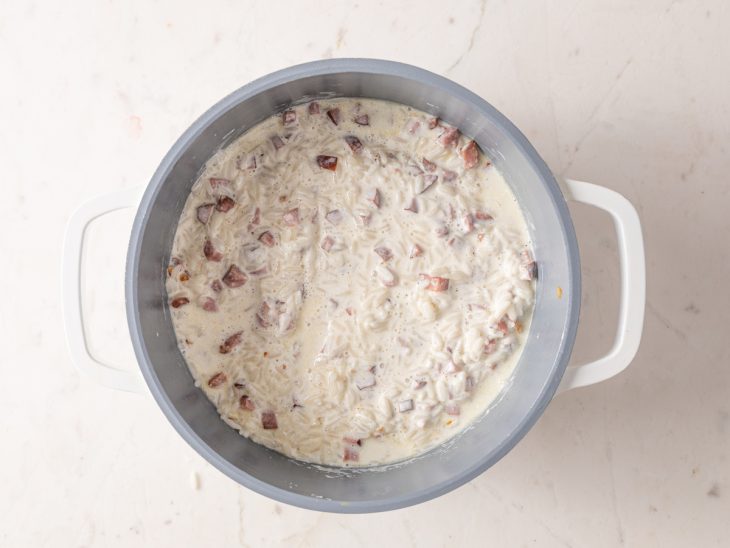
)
(482, 216)
(327, 162)
(231, 342)
(288, 117)
(442, 231)
(490, 346)
(354, 143)
(334, 115)
(428, 165)
(327, 243)
(384, 253)
(217, 379)
(529, 271)
(362, 120)
(528, 268)
(218, 183)
(277, 142)
(234, 277)
(449, 136)
(416, 251)
(373, 195)
(433, 122)
(224, 204)
(246, 403)
(314, 107)
(208, 304)
(267, 238)
(470, 155)
(204, 212)
(503, 327)
(291, 217)
(263, 315)
(434, 283)
(210, 252)
(179, 301)
(438, 284)
(216, 286)
(452, 409)
(268, 420)
(335, 216)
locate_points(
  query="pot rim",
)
(261, 85)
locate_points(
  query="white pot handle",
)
(633, 285)
(72, 258)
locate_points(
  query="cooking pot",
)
(541, 370)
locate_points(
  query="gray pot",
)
(536, 377)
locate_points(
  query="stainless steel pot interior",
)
(536, 376)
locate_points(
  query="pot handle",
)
(72, 261)
(633, 285)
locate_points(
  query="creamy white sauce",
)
(330, 325)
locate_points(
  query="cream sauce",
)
(310, 306)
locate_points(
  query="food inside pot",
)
(351, 282)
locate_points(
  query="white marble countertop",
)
(630, 95)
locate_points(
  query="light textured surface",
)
(630, 95)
